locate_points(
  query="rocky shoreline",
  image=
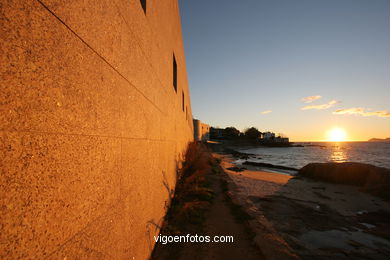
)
(369, 178)
(301, 218)
(248, 162)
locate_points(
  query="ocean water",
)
(377, 154)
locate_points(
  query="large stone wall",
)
(92, 129)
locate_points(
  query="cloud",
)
(323, 106)
(310, 99)
(266, 112)
(360, 111)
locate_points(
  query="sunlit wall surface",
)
(92, 126)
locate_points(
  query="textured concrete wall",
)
(92, 130)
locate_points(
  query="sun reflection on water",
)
(338, 153)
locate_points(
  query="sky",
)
(253, 63)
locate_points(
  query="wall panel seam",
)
(142, 50)
(100, 56)
(88, 224)
(86, 135)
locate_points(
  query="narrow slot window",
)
(182, 103)
(174, 73)
(143, 4)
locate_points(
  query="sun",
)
(337, 135)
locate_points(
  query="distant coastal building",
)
(201, 131)
(96, 118)
(217, 133)
(267, 135)
(281, 140)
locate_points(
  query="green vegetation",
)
(250, 136)
(252, 133)
(193, 197)
(202, 185)
(231, 133)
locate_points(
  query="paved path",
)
(220, 221)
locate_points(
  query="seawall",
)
(95, 119)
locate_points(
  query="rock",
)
(372, 179)
(268, 165)
(237, 154)
(236, 169)
(274, 247)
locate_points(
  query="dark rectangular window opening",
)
(143, 3)
(182, 103)
(174, 73)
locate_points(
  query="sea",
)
(375, 153)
